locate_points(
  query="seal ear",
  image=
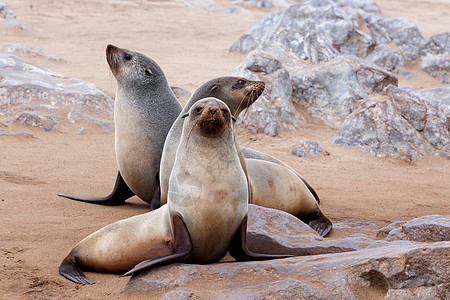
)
(214, 87)
(185, 115)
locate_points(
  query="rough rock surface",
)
(329, 90)
(272, 231)
(396, 124)
(274, 110)
(387, 57)
(438, 97)
(302, 148)
(435, 57)
(8, 17)
(34, 96)
(400, 31)
(404, 269)
(314, 54)
(31, 51)
(424, 229)
(317, 30)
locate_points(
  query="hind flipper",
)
(238, 247)
(120, 193)
(181, 247)
(156, 200)
(71, 271)
(322, 225)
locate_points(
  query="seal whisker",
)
(190, 132)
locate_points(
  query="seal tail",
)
(71, 271)
(120, 193)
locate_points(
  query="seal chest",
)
(207, 186)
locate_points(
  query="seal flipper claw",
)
(120, 193)
(238, 247)
(181, 247)
(71, 271)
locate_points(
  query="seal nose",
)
(213, 110)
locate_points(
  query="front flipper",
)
(238, 247)
(120, 193)
(181, 247)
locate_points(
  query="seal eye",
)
(126, 56)
(241, 82)
(198, 110)
(224, 111)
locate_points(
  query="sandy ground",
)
(37, 228)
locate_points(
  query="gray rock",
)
(437, 65)
(427, 118)
(383, 232)
(44, 121)
(435, 57)
(402, 125)
(375, 127)
(433, 228)
(8, 17)
(36, 96)
(331, 89)
(387, 57)
(274, 110)
(397, 271)
(410, 107)
(438, 44)
(31, 51)
(302, 148)
(398, 30)
(316, 30)
(437, 97)
(366, 5)
(328, 90)
(271, 3)
(272, 231)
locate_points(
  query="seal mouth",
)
(256, 90)
(112, 58)
(211, 122)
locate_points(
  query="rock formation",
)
(34, 96)
(414, 267)
(315, 54)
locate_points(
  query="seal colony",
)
(146, 109)
(203, 218)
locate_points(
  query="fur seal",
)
(299, 198)
(276, 186)
(237, 93)
(203, 218)
(144, 110)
